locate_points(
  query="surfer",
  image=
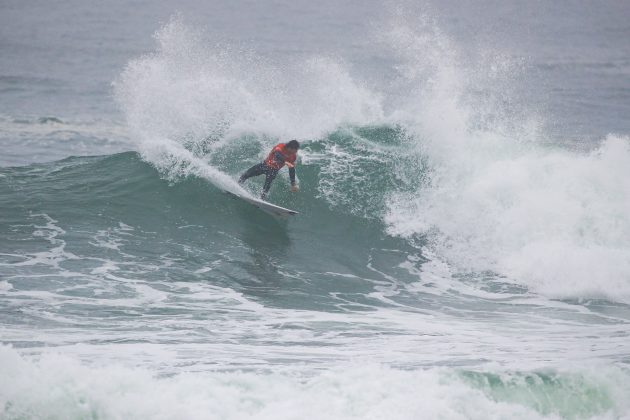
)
(282, 154)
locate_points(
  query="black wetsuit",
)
(269, 172)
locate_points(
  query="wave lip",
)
(191, 96)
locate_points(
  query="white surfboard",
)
(268, 208)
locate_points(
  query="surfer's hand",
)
(290, 165)
(295, 188)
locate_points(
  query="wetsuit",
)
(276, 159)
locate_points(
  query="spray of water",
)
(479, 181)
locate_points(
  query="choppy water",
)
(463, 243)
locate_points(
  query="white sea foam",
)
(61, 387)
(498, 199)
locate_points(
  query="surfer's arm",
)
(291, 172)
(294, 186)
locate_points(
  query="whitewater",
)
(458, 254)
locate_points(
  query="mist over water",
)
(459, 252)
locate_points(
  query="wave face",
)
(472, 175)
(450, 258)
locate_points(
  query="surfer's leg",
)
(270, 176)
(255, 170)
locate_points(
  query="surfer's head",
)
(293, 145)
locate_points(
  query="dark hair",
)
(293, 144)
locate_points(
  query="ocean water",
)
(463, 244)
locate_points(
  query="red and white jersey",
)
(272, 160)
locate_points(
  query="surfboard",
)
(268, 208)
